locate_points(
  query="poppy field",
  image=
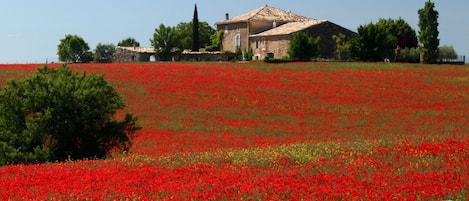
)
(256, 131)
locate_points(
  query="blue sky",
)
(30, 30)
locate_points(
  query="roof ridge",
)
(267, 13)
(259, 10)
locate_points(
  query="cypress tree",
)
(195, 30)
(428, 35)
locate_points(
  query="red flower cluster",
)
(303, 131)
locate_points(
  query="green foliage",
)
(129, 42)
(239, 53)
(184, 35)
(104, 52)
(447, 52)
(248, 54)
(277, 61)
(73, 49)
(401, 30)
(195, 31)
(377, 41)
(409, 55)
(57, 114)
(373, 43)
(216, 40)
(87, 57)
(428, 35)
(303, 47)
(164, 40)
(342, 47)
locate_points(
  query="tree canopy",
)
(428, 35)
(342, 46)
(73, 48)
(164, 40)
(405, 35)
(129, 42)
(377, 41)
(303, 47)
(184, 35)
(103, 53)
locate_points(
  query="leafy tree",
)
(195, 31)
(428, 35)
(57, 114)
(410, 55)
(103, 52)
(373, 43)
(303, 47)
(129, 42)
(73, 49)
(383, 39)
(183, 35)
(401, 30)
(342, 48)
(447, 52)
(87, 57)
(164, 40)
(216, 41)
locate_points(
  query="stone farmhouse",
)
(268, 31)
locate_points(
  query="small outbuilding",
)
(133, 54)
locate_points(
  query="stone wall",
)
(229, 36)
(126, 55)
(278, 45)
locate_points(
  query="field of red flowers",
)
(254, 131)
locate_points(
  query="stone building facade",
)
(268, 31)
(132, 54)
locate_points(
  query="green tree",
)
(373, 43)
(57, 114)
(303, 47)
(73, 49)
(195, 31)
(342, 47)
(87, 57)
(428, 35)
(447, 52)
(164, 40)
(103, 53)
(405, 35)
(129, 42)
(183, 34)
(216, 40)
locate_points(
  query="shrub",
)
(408, 55)
(447, 52)
(248, 54)
(57, 114)
(303, 47)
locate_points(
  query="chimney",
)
(227, 16)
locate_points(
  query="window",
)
(238, 40)
(258, 44)
(226, 29)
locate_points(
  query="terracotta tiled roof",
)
(289, 28)
(267, 13)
